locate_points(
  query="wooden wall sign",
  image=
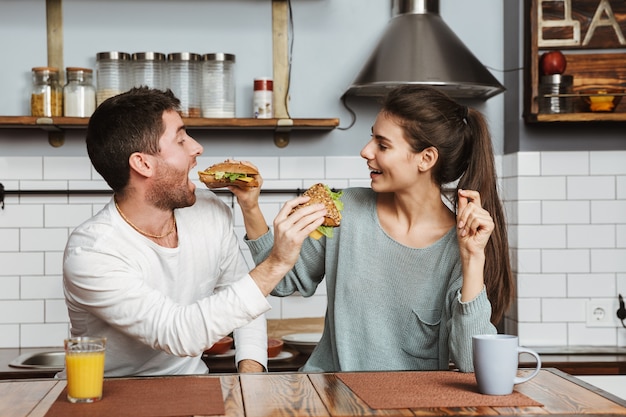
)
(581, 24)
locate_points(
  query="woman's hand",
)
(474, 223)
(474, 227)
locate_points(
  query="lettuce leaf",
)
(231, 176)
(326, 231)
(336, 196)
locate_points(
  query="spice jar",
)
(218, 85)
(262, 98)
(79, 94)
(112, 73)
(47, 95)
(148, 69)
(184, 81)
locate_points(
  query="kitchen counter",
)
(615, 384)
(580, 360)
(275, 329)
(8, 372)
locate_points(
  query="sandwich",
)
(227, 173)
(320, 193)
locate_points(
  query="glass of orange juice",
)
(84, 364)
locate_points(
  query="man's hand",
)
(290, 230)
(249, 365)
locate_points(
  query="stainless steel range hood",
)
(418, 47)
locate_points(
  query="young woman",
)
(409, 280)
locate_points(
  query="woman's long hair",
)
(461, 136)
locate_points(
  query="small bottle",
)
(218, 85)
(112, 73)
(184, 81)
(262, 98)
(79, 94)
(46, 99)
(148, 69)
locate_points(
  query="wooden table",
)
(278, 394)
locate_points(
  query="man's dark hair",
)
(124, 124)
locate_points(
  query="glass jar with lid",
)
(112, 74)
(184, 81)
(79, 94)
(148, 69)
(46, 98)
(218, 85)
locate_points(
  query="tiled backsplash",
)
(567, 226)
(567, 215)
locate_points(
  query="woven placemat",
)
(389, 390)
(148, 397)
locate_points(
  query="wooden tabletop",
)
(324, 394)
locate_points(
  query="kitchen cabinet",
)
(591, 34)
(282, 124)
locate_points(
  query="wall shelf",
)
(595, 55)
(55, 126)
(61, 123)
(577, 117)
(282, 125)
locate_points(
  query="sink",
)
(40, 360)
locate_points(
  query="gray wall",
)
(332, 40)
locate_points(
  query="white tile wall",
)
(569, 243)
(591, 285)
(541, 285)
(591, 188)
(621, 187)
(564, 163)
(542, 334)
(566, 212)
(607, 163)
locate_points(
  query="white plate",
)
(302, 338)
(228, 354)
(284, 355)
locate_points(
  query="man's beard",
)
(168, 192)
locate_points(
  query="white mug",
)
(496, 360)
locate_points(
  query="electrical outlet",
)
(602, 312)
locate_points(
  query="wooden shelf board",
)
(577, 117)
(60, 123)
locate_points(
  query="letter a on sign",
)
(604, 7)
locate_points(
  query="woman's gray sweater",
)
(390, 307)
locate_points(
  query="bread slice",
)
(208, 175)
(228, 166)
(319, 194)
